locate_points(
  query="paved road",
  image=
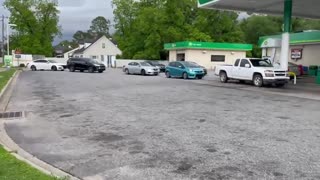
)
(115, 126)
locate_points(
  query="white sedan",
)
(46, 65)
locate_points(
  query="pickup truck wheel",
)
(185, 75)
(223, 77)
(258, 80)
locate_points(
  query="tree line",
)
(142, 27)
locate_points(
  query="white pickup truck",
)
(259, 71)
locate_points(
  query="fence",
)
(58, 60)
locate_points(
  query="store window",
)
(218, 58)
(181, 57)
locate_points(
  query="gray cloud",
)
(77, 14)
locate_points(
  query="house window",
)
(103, 45)
(94, 57)
(81, 55)
(218, 58)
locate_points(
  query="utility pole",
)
(2, 39)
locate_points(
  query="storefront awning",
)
(208, 46)
(301, 8)
(312, 37)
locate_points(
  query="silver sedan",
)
(142, 68)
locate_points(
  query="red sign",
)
(296, 53)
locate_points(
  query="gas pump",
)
(271, 49)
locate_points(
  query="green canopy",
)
(301, 8)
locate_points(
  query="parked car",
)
(142, 68)
(162, 67)
(184, 69)
(83, 64)
(43, 64)
(204, 69)
(260, 71)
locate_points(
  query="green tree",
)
(142, 27)
(37, 25)
(100, 25)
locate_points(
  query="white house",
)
(102, 49)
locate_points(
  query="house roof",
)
(208, 45)
(81, 50)
(308, 37)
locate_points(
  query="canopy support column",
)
(284, 58)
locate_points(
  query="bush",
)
(22, 65)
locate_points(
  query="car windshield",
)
(191, 64)
(52, 61)
(94, 61)
(145, 64)
(261, 63)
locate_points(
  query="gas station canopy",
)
(300, 8)
(288, 8)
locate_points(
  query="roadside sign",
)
(296, 54)
(8, 60)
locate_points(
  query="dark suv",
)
(83, 64)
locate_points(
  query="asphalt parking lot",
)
(116, 126)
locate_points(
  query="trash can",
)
(305, 70)
(313, 70)
(318, 76)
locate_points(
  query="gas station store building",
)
(207, 54)
(304, 48)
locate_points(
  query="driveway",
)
(116, 126)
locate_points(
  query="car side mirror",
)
(247, 66)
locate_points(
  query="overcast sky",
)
(78, 14)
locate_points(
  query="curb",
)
(5, 88)
(13, 148)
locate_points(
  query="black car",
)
(83, 64)
(156, 63)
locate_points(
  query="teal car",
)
(185, 70)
